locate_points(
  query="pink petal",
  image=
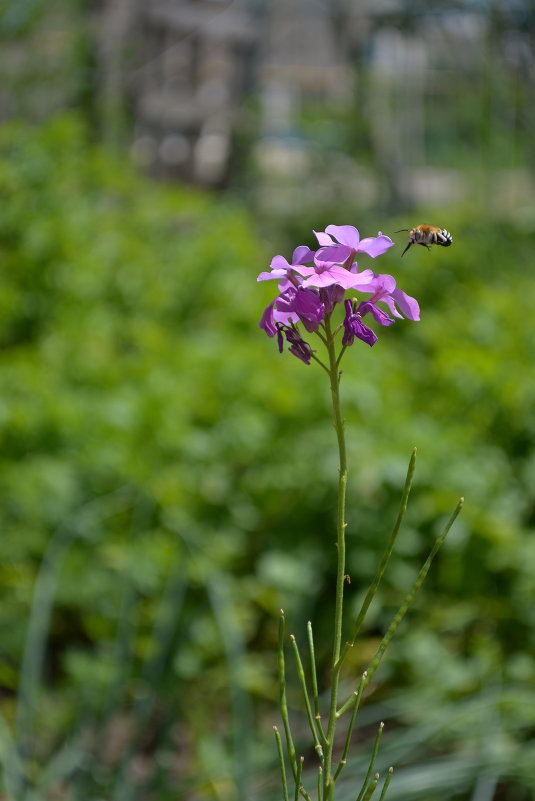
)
(323, 238)
(409, 306)
(333, 254)
(302, 270)
(361, 280)
(285, 317)
(345, 234)
(274, 274)
(382, 282)
(280, 263)
(320, 280)
(388, 301)
(375, 245)
(302, 254)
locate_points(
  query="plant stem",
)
(356, 702)
(281, 763)
(387, 782)
(282, 699)
(328, 779)
(312, 655)
(387, 554)
(372, 763)
(311, 720)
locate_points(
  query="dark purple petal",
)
(267, 322)
(310, 325)
(364, 333)
(331, 296)
(306, 303)
(378, 314)
(280, 340)
(349, 336)
(309, 306)
(298, 346)
(354, 327)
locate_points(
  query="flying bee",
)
(427, 235)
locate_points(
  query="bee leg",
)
(406, 249)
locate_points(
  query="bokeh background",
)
(168, 480)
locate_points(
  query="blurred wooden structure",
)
(169, 77)
(187, 92)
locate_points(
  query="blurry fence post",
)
(117, 20)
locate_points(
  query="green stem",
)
(282, 699)
(372, 763)
(342, 351)
(302, 679)
(387, 782)
(320, 363)
(409, 598)
(400, 614)
(388, 552)
(312, 655)
(356, 702)
(328, 779)
(298, 778)
(281, 763)
(371, 788)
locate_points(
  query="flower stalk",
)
(334, 373)
(311, 288)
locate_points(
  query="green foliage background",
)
(168, 483)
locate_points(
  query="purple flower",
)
(354, 327)
(267, 321)
(293, 305)
(384, 289)
(331, 296)
(347, 243)
(305, 303)
(298, 346)
(282, 269)
(325, 274)
(314, 283)
(321, 274)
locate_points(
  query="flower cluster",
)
(316, 281)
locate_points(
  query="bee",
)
(427, 235)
